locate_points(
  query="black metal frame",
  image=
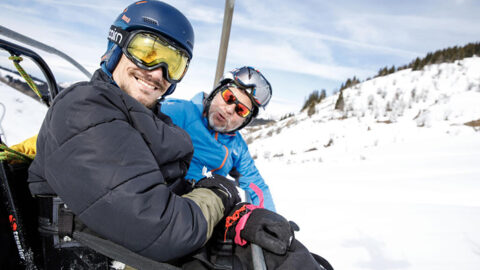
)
(17, 50)
(17, 225)
(10, 197)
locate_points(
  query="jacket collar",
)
(198, 101)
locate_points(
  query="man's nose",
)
(157, 74)
(231, 108)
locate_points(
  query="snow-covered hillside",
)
(390, 182)
(439, 99)
(22, 115)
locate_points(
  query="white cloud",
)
(204, 14)
(282, 56)
(300, 32)
(92, 5)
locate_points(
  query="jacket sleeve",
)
(106, 173)
(249, 173)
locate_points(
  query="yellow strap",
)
(16, 61)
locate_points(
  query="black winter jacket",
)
(112, 160)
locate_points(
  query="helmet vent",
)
(150, 20)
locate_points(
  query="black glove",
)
(260, 226)
(223, 188)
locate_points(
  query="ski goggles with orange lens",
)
(150, 51)
(230, 98)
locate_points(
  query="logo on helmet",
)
(115, 36)
(125, 18)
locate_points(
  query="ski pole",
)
(257, 252)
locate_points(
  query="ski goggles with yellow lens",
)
(150, 51)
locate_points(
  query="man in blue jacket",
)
(213, 123)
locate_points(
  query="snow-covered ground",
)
(20, 115)
(377, 188)
(408, 205)
(373, 187)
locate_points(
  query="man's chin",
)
(218, 128)
(223, 129)
(147, 102)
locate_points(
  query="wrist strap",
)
(231, 219)
(247, 208)
(241, 225)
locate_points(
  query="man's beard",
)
(217, 128)
(222, 128)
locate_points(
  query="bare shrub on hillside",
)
(330, 143)
(288, 115)
(474, 124)
(291, 122)
(370, 101)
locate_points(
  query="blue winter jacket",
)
(218, 152)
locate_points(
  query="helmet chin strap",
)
(170, 90)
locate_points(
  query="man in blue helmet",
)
(107, 153)
(213, 122)
(118, 163)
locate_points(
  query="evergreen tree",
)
(391, 70)
(340, 104)
(416, 64)
(323, 95)
(311, 110)
(313, 98)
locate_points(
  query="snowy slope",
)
(378, 188)
(22, 115)
(387, 109)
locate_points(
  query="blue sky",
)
(300, 46)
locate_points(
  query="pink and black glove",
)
(269, 230)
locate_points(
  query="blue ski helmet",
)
(155, 16)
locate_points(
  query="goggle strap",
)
(118, 36)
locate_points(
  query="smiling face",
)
(222, 116)
(144, 86)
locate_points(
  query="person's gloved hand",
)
(223, 188)
(260, 226)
